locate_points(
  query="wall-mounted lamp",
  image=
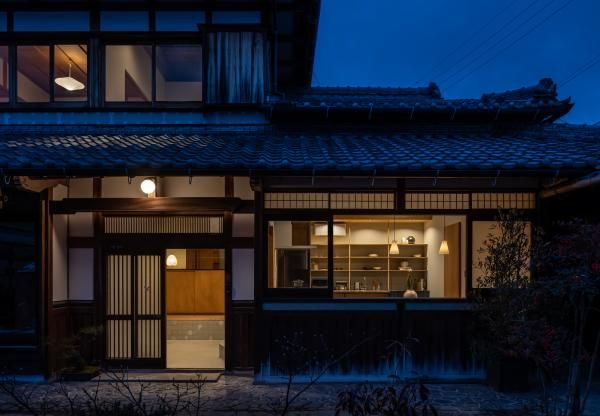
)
(148, 186)
(171, 260)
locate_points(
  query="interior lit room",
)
(195, 306)
(373, 256)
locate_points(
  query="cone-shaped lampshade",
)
(171, 260)
(444, 247)
(394, 248)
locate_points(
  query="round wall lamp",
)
(171, 260)
(148, 186)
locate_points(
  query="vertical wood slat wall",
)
(133, 307)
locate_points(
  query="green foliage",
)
(395, 399)
(71, 349)
(503, 301)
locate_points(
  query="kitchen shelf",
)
(353, 255)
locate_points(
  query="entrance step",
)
(162, 376)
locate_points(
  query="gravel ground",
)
(238, 395)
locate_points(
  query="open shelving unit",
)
(367, 268)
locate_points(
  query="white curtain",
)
(236, 67)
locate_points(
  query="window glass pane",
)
(252, 17)
(51, 21)
(186, 21)
(33, 74)
(3, 74)
(70, 72)
(128, 73)
(2, 21)
(179, 73)
(17, 278)
(297, 255)
(116, 21)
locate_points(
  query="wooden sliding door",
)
(135, 318)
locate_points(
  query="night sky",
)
(409, 43)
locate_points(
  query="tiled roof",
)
(275, 150)
(531, 104)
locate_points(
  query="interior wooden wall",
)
(195, 292)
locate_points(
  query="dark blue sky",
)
(410, 42)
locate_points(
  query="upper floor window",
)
(183, 21)
(38, 82)
(4, 97)
(236, 17)
(64, 21)
(121, 21)
(177, 73)
(3, 25)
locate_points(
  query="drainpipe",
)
(585, 182)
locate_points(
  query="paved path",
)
(238, 395)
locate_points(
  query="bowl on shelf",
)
(417, 255)
(373, 255)
(377, 267)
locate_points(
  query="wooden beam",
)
(148, 205)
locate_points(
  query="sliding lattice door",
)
(134, 310)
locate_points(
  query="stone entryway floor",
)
(239, 395)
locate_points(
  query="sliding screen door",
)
(134, 310)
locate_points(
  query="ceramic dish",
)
(416, 255)
(376, 267)
(373, 255)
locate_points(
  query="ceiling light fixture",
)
(69, 83)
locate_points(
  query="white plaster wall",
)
(201, 186)
(136, 62)
(481, 232)
(81, 188)
(29, 92)
(282, 234)
(60, 290)
(243, 273)
(435, 261)
(434, 233)
(241, 188)
(81, 274)
(243, 225)
(119, 187)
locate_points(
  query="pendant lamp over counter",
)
(444, 245)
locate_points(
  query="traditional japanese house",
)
(167, 173)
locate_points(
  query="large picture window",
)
(298, 254)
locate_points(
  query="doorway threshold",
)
(162, 376)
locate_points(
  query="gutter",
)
(585, 182)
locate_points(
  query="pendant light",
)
(444, 246)
(69, 83)
(394, 246)
(171, 260)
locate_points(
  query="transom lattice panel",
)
(363, 200)
(447, 200)
(173, 224)
(507, 200)
(296, 200)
